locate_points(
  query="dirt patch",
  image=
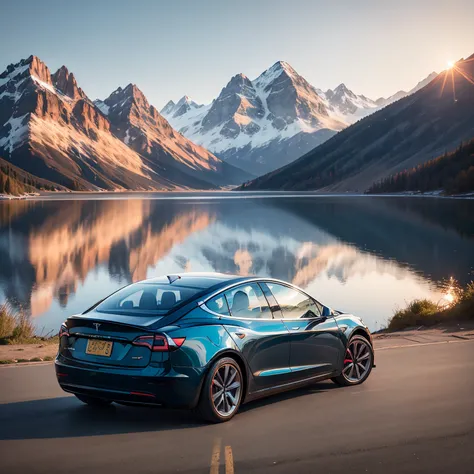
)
(20, 353)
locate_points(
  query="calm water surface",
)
(367, 255)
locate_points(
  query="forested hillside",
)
(452, 172)
(15, 181)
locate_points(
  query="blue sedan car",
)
(208, 341)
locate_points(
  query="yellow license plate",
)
(99, 348)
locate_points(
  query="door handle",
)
(295, 328)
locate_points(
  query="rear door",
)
(315, 341)
(263, 340)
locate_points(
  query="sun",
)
(450, 64)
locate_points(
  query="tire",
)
(94, 402)
(219, 408)
(355, 375)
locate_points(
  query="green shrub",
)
(426, 313)
(417, 313)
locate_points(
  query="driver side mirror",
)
(326, 312)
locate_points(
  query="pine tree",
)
(8, 186)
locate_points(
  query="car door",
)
(316, 347)
(262, 339)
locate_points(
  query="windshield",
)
(146, 299)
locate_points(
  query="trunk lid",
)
(107, 340)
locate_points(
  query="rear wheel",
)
(94, 402)
(222, 391)
(358, 362)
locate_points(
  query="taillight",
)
(159, 342)
(146, 341)
(63, 331)
(179, 341)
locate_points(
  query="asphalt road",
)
(415, 414)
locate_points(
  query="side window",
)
(293, 303)
(248, 301)
(218, 304)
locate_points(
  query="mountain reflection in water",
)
(365, 255)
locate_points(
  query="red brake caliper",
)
(348, 358)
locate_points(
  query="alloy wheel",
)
(225, 390)
(358, 360)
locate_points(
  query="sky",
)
(193, 47)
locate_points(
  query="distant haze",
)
(188, 47)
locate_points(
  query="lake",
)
(367, 255)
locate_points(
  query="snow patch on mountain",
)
(18, 133)
(102, 106)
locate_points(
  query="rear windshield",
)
(146, 299)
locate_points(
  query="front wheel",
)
(358, 362)
(222, 391)
(94, 402)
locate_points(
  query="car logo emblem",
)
(97, 326)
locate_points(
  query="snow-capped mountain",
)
(263, 124)
(50, 128)
(347, 105)
(183, 106)
(403, 135)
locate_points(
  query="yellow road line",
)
(216, 455)
(229, 460)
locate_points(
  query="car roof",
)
(201, 280)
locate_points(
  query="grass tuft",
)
(15, 326)
(426, 313)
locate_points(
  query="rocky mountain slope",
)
(402, 135)
(50, 128)
(263, 124)
(141, 127)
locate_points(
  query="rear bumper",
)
(178, 388)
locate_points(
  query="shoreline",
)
(223, 194)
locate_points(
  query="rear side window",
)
(248, 301)
(218, 305)
(145, 299)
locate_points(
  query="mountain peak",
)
(65, 81)
(132, 89)
(343, 90)
(283, 65)
(128, 95)
(170, 105)
(239, 79)
(341, 87)
(274, 72)
(184, 100)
